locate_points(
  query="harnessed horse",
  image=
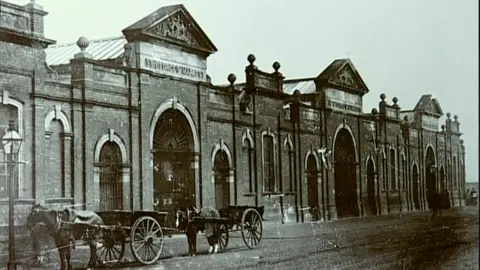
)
(212, 232)
(65, 235)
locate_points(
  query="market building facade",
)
(133, 122)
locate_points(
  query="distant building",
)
(120, 123)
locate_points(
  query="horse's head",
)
(183, 216)
(40, 214)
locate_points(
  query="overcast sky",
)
(403, 48)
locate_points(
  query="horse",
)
(183, 222)
(63, 235)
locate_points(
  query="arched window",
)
(455, 173)
(384, 169)
(249, 151)
(269, 181)
(290, 167)
(393, 170)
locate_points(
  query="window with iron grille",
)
(384, 181)
(392, 168)
(455, 174)
(290, 168)
(111, 186)
(250, 152)
(269, 184)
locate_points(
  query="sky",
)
(401, 48)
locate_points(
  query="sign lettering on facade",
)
(173, 68)
(338, 100)
(429, 123)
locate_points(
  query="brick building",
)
(123, 122)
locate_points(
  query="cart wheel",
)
(251, 228)
(223, 239)
(113, 249)
(146, 240)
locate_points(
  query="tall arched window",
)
(249, 152)
(393, 170)
(384, 169)
(269, 184)
(455, 173)
(290, 167)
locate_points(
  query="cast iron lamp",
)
(11, 145)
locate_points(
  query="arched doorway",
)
(415, 187)
(111, 187)
(372, 203)
(221, 170)
(443, 180)
(174, 175)
(345, 175)
(430, 171)
(312, 186)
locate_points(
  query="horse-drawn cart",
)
(246, 219)
(141, 229)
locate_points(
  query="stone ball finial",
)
(297, 92)
(251, 58)
(448, 115)
(276, 66)
(83, 43)
(382, 96)
(232, 78)
(395, 100)
(405, 118)
(374, 111)
(443, 127)
(455, 117)
(461, 142)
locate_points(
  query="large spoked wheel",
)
(252, 228)
(223, 237)
(111, 252)
(146, 240)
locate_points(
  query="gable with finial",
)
(172, 24)
(342, 74)
(429, 105)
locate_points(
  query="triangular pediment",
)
(341, 73)
(172, 24)
(429, 105)
(434, 108)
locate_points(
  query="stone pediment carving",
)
(346, 77)
(177, 28)
(434, 108)
(341, 74)
(171, 24)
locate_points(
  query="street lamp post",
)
(11, 145)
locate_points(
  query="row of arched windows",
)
(396, 173)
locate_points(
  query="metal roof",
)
(304, 86)
(100, 49)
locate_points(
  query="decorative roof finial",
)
(83, 43)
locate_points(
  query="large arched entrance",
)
(415, 187)
(173, 157)
(345, 175)
(312, 186)
(111, 173)
(430, 171)
(221, 170)
(372, 203)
